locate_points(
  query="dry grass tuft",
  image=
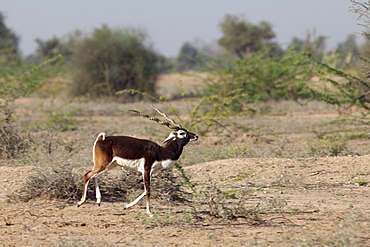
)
(64, 182)
(13, 143)
(58, 182)
(117, 185)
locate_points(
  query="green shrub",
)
(337, 87)
(17, 80)
(258, 77)
(110, 60)
(60, 118)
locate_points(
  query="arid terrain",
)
(302, 202)
(260, 187)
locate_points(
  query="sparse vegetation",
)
(17, 80)
(13, 143)
(282, 154)
(328, 146)
(243, 198)
(54, 182)
(63, 182)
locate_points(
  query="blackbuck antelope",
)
(141, 155)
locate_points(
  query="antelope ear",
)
(171, 137)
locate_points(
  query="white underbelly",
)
(160, 165)
(137, 165)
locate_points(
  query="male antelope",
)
(141, 155)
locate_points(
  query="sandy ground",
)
(300, 202)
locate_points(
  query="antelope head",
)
(180, 134)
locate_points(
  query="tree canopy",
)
(188, 58)
(110, 60)
(9, 40)
(241, 37)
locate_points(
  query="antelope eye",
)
(182, 133)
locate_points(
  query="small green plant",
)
(362, 182)
(241, 151)
(274, 204)
(231, 194)
(293, 211)
(61, 120)
(243, 175)
(159, 220)
(216, 201)
(326, 145)
(186, 179)
(357, 136)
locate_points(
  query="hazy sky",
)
(170, 23)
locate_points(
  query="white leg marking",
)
(98, 194)
(97, 191)
(147, 198)
(148, 207)
(83, 198)
(135, 201)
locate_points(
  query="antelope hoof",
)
(149, 213)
